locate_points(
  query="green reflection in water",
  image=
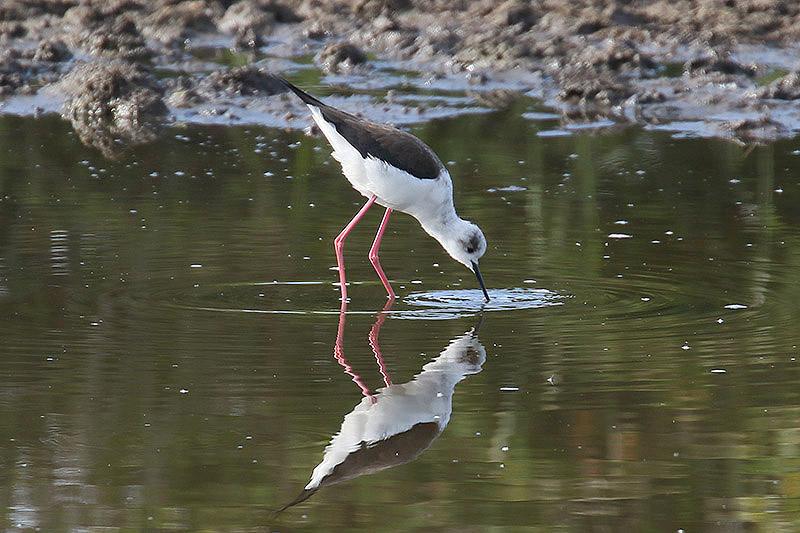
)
(661, 394)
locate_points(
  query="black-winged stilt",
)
(398, 422)
(398, 171)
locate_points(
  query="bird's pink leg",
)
(338, 245)
(373, 255)
(338, 353)
(374, 344)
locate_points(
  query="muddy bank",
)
(117, 69)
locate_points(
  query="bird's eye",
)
(472, 244)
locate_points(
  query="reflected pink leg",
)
(373, 254)
(338, 353)
(338, 245)
(373, 342)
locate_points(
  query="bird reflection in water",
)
(396, 423)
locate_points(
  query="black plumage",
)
(394, 146)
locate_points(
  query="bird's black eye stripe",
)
(472, 244)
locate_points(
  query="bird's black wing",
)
(397, 147)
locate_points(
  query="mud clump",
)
(173, 24)
(495, 98)
(112, 104)
(220, 87)
(516, 14)
(617, 56)
(247, 22)
(10, 82)
(183, 93)
(340, 57)
(376, 8)
(590, 93)
(752, 131)
(246, 15)
(12, 72)
(118, 39)
(19, 67)
(718, 63)
(242, 81)
(52, 51)
(255, 14)
(112, 90)
(784, 88)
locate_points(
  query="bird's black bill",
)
(480, 279)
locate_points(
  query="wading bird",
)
(396, 170)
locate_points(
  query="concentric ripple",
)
(641, 304)
(446, 304)
(652, 305)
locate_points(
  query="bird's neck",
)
(441, 225)
(446, 230)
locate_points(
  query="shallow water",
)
(173, 356)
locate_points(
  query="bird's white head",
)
(465, 243)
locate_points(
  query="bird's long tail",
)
(304, 96)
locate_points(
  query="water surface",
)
(169, 330)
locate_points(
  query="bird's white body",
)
(424, 199)
(428, 398)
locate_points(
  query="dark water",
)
(168, 324)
